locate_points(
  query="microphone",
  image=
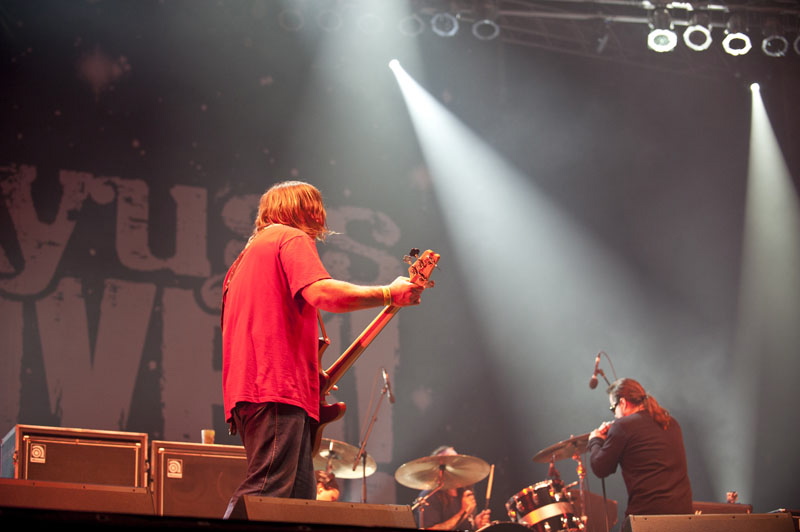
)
(388, 385)
(593, 380)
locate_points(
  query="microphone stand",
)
(362, 455)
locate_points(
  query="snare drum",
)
(543, 507)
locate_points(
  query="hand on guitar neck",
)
(399, 294)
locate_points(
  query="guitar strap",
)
(227, 282)
(324, 341)
(322, 332)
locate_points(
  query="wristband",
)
(387, 296)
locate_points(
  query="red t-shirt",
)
(269, 332)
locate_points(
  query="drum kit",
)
(546, 506)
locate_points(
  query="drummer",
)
(451, 509)
(327, 486)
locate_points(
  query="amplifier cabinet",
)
(775, 522)
(104, 457)
(701, 507)
(194, 479)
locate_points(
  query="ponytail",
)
(634, 393)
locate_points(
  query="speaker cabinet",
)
(323, 512)
(31, 452)
(775, 522)
(194, 479)
(43, 495)
(700, 507)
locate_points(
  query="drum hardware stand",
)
(423, 500)
(581, 471)
(362, 455)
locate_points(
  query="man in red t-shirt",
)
(270, 362)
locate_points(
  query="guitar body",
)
(418, 273)
(327, 414)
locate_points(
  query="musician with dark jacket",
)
(647, 443)
(271, 296)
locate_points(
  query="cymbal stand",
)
(423, 500)
(362, 454)
(581, 470)
(329, 461)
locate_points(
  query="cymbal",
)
(452, 471)
(338, 457)
(563, 449)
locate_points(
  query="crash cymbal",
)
(563, 449)
(338, 457)
(451, 471)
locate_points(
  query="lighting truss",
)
(521, 20)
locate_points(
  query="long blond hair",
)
(296, 204)
(634, 393)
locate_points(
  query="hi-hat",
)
(339, 457)
(443, 471)
(563, 449)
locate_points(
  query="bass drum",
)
(503, 526)
(544, 507)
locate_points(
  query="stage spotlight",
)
(444, 24)
(662, 38)
(485, 30)
(736, 42)
(370, 23)
(697, 35)
(329, 20)
(797, 45)
(411, 25)
(774, 44)
(291, 20)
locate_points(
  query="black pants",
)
(277, 443)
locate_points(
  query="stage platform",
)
(91, 507)
(90, 521)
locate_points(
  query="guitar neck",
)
(351, 354)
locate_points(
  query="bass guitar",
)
(419, 273)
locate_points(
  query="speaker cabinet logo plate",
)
(38, 453)
(174, 468)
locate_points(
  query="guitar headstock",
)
(419, 272)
